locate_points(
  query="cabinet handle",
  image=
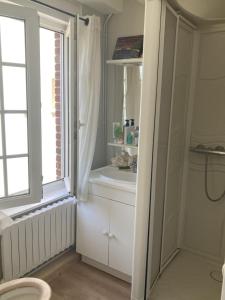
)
(111, 235)
(105, 232)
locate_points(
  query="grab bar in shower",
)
(204, 150)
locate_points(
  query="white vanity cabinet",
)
(105, 231)
(92, 229)
(121, 226)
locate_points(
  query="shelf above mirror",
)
(126, 62)
(122, 145)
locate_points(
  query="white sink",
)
(118, 175)
(114, 177)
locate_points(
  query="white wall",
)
(105, 6)
(128, 23)
(204, 230)
(68, 5)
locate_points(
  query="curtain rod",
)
(85, 20)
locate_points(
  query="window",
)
(51, 47)
(14, 113)
(34, 117)
(19, 105)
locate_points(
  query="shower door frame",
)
(150, 95)
(155, 16)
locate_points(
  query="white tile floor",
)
(187, 278)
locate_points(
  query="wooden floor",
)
(75, 280)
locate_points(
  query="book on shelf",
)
(129, 47)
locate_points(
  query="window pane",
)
(16, 134)
(52, 126)
(12, 40)
(18, 182)
(2, 191)
(0, 135)
(14, 98)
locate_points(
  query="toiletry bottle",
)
(120, 135)
(126, 130)
(132, 123)
(117, 133)
(116, 127)
(130, 137)
(136, 136)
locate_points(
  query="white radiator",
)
(36, 237)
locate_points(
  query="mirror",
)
(132, 78)
(124, 92)
(123, 103)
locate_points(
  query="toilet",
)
(25, 289)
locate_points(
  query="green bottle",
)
(130, 138)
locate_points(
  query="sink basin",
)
(111, 176)
(112, 173)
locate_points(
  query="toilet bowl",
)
(25, 289)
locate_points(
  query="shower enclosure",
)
(186, 222)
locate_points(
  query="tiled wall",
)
(205, 221)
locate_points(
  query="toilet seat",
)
(25, 288)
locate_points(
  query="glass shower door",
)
(160, 152)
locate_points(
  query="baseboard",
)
(149, 292)
(53, 266)
(169, 260)
(210, 258)
(106, 269)
(166, 264)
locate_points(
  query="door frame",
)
(150, 95)
(155, 13)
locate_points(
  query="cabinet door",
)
(121, 237)
(92, 228)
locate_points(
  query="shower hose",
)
(206, 183)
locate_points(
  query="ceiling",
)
(208, 10)
(106, 6)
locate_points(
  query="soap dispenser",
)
(136, 136)
(132, 123)
(130, 136)
(126, 130)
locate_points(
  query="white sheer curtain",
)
(89, 98)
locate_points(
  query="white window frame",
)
(61, 23)
(32, 65)
(70, 109)
(59, 188)
(49, 18)
(66, 186)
